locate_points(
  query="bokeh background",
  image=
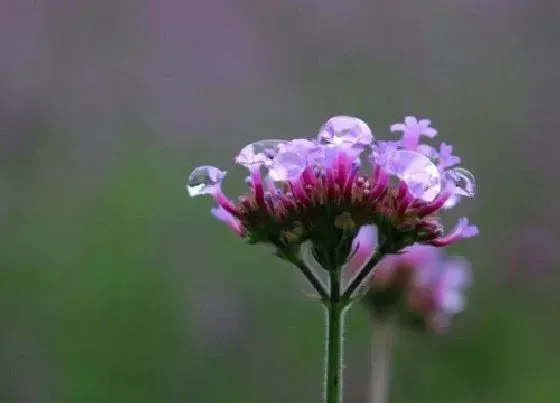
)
(116, 287)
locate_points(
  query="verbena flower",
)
(412, 129)
(311, 197)
(420, 285)
(318, 190)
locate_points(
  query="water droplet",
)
(287, 166)
(345, 130)
(205, 179)
(417, 171)
(463, 180)
(322, 156)
(259, 153)
(381, 150)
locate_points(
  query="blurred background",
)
(115, 286)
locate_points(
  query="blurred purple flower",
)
(431, 286)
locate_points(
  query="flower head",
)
(313, 189)
(422, 287)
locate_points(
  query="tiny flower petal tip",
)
(315, 189)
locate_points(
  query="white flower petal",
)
(429, 132)
(398, 127)
(410, 121)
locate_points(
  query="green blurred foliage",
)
(116, 287)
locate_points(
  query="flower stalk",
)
(334, 348)
(311, 277)
(382, 335)
(336, 304)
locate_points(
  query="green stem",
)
(383, 333)
(312, 278)
(335, 309)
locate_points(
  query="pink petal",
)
(470, 231)
(229, 219)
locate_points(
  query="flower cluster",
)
(326, 188)
(419, 285)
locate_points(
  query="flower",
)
(412, 129)
(313, 190)
(420, 286)
(462, 230)
(449, 294)
(446, 157)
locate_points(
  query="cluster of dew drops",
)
(423, 178)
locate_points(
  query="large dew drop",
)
(287, 166)
(417, 171)
(259, 153)
(345, 130)
(462, 180)
(205, 179)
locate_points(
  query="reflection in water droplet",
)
(417, 171)
(345, 130)
(286, 166)
(205, 179)
(463, 180)
(323, 156)
(381, 151)
(261, 152)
